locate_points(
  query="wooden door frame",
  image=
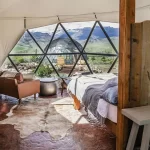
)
(126, 18)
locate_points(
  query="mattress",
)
(107, 110)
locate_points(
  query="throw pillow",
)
(110, 83)
(19, 77)
(111, 95)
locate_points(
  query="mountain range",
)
(80, 34)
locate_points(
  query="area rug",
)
(55, 116)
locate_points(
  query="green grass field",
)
(97, 46)
(102, 46)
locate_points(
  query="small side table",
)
(140, 116)
(48, 86)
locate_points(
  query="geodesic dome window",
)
(65, 49)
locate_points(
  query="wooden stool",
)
(140, 116)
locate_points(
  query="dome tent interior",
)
(18, 16)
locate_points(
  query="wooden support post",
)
(127, 17)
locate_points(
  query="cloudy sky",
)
(74, 25)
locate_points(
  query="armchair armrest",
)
(8, 86)
(28, 88)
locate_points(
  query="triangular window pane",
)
(112, 30)
(100, 64)
(26, 45)
(79, 31)
(115, 68)
(45, 69)
(26, 64)
(62, 43)
(43, 35)
(64, 63)
(98, 43)
(81, 67)
(7, 66)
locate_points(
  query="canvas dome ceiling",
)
(44, 12)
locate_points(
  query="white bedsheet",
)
(107, 110)
(78, 88)
(78, 85)
(102, 108)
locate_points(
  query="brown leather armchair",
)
(11, 87)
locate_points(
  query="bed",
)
(85, 89)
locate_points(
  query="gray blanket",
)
(94, 92)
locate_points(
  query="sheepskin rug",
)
(54, 115)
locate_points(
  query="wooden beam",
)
(126, 18)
